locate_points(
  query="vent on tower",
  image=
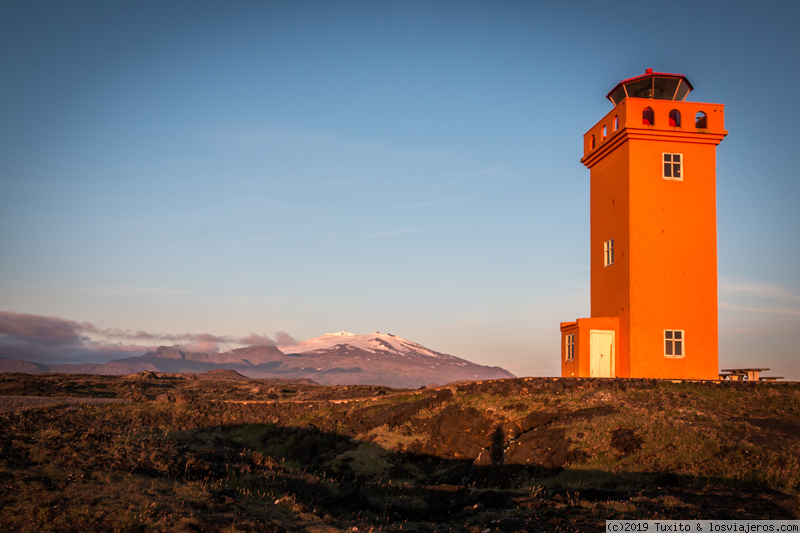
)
(700, 120)
(648, 117)
(675, 118)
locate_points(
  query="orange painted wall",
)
(609, 218)
(665, 270)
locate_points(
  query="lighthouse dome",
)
(656, 85)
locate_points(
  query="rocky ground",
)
(221, 452)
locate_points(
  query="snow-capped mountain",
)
(372, 342)
(385, 359)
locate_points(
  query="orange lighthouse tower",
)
(652, 163)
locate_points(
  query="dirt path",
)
(10, 404)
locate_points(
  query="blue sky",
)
(411, 167)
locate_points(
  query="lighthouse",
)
(653, 237)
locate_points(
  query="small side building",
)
(653, 251)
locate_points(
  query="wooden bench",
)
(736, 374)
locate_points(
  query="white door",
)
(601, 356)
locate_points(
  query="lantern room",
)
(654, 85)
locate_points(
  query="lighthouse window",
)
(618, 95)
(672, 166)
(570, 347)
(648, 117)
(683, 90)
(665, 88)
(616, 122)
(641, 88)
(675, 118)
(674, 343)
(608, 252)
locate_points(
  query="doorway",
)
(601, 354)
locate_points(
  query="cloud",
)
(254, 339)
(317, 142)
(257, 340)
(758, 298)
(763, 290)
(435, 203)
(201, 346)
(54, 340)
(379, 235)
(767, 310)
(747, 331)
(494, 173)
(379, 208)
(120, 290)
(49, 339)
(20, 324)
(184, 339)
(284, 338)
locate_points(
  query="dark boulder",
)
(536, 419)
(548, 448)
(460, 433)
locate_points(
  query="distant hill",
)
(331, 359)
(18, 365)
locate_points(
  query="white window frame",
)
(570, 347)
(608, 253)
(668, 158)
(671, 343)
